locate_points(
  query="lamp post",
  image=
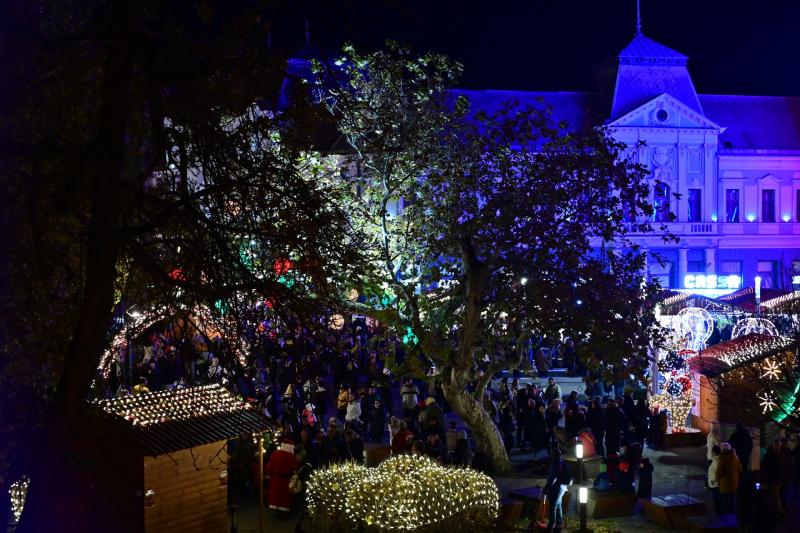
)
(583, 499)
(579, 455)
(134, 315)
(758, 295)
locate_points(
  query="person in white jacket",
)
(353, 415)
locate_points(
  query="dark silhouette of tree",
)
(145, 157)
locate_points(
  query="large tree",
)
(145, 158)
(482, 230)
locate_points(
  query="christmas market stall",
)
(168, 451)
(753, 378)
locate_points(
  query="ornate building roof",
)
(644, 49)
(646, 69)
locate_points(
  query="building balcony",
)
(713, 229)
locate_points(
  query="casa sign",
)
(711, 281)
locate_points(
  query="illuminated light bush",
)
(405, 492)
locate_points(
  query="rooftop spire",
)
(638, 19)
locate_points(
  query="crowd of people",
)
(731, 482)
(330, 390)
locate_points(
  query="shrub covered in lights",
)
(404, 493)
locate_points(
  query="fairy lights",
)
(780, 300)
(173, 405)
(746, 326)
(696, 325)
(742, 350)
(675, 299)
(18, 491)
(406, 492)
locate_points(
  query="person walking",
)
(559, 479)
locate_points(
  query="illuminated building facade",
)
(733, 160)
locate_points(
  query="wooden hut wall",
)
(188, 494)
(708, 406)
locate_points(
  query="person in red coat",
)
(281, 467)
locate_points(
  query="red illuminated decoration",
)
(177, 274)
(282, 265)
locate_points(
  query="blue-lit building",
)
(734, 160)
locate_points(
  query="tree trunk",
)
(62, 495)
(483, 427)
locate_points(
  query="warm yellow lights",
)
(405, 492)
(181, 404)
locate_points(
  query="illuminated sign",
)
(711, 281)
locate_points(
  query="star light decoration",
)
(766, 399)
(406, 492)
(771, 369)
(746, 326)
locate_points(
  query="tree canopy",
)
(146, 160)
(482, 230)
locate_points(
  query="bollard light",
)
(579, 449)
(583, 494)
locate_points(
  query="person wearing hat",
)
(431, 412)
(281, 467)
(728, 471)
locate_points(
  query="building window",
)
(696, 261)
(766, 270)
(730, 274)
(695, 205)
(661, 210)
(661, 273)
(731, 205)
(768, 205)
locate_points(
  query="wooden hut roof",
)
(734, 353)
(168, 421)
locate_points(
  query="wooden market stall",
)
(734, 378)
(169, 453)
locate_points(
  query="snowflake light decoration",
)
(746, 326)
(695, 325)
(772, 369)
(767, 401)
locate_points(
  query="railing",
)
(720, 228)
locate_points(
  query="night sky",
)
(734, 46)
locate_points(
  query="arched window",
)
(661, 194)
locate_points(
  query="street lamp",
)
(583, 499)
(135, 316)
(758, 295)
(579, 455)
